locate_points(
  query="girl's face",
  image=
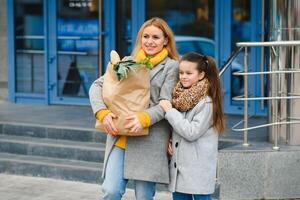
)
(188, 73)
(153, 40)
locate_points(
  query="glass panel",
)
(191, 21)
(29, 37)
(77, 46)
(240, 31)
(123, 26)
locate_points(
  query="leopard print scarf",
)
(185, 99)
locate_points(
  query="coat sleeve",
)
(191, 130)
(95, 95)
(156, 112)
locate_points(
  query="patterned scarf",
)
(157, 58)
(185, 99)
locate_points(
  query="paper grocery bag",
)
(126, 97)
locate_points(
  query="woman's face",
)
(153, 40)
(188, 73)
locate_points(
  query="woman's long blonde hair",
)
(168, 33)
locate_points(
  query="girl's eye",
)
(145, 36)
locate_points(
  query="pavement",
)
(14, 187)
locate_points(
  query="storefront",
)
(57, 48)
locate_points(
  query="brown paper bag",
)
(126, 97)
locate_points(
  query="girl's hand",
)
(170, 149)
(109, 125)
(165, 104)
(133, 124)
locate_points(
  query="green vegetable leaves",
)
(124, 67)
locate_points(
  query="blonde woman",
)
(141, 159)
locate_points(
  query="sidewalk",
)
(50, 115)
(14, 187)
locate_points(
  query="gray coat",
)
(195, 149)
(145, 156)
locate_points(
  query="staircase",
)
(56, 152)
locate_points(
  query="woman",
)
(141, 159)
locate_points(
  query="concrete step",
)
(52, 132)
(51, 167)
(228, 142)
(85, 151)
(89, 172)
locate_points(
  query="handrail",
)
(241, 98)
(229, 61)
(246, 98)
(262, 125)
(268, 44)
(241, 73)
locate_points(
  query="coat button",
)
(176, 144)
(175, 165)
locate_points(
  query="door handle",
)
(51, 86)
(51, 59)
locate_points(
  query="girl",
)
(142, 159)
(197, 119)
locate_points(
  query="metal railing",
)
(246, 98)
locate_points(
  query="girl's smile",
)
(188, 73)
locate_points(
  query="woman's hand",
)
(109, 125)
(133, 124)
(165, 104)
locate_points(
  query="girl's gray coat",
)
(195, 148)
(145, 156)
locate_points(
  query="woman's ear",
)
(166, 41)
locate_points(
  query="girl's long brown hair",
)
(207, 65)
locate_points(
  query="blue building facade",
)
(56, 49)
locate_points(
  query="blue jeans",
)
(114, 184)
(183, 196)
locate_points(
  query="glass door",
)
(75, 45)
(240, 22)
(29, 50)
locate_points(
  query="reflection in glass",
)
(191, 21)
(29, 37)
(123, 27)
(201, 45)
(240, 31)
(241, 22)
(192, 18)
(77, 46)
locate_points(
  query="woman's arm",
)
(156, 112)
(97, 103)
(95, 95)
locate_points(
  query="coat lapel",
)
(156, 69)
